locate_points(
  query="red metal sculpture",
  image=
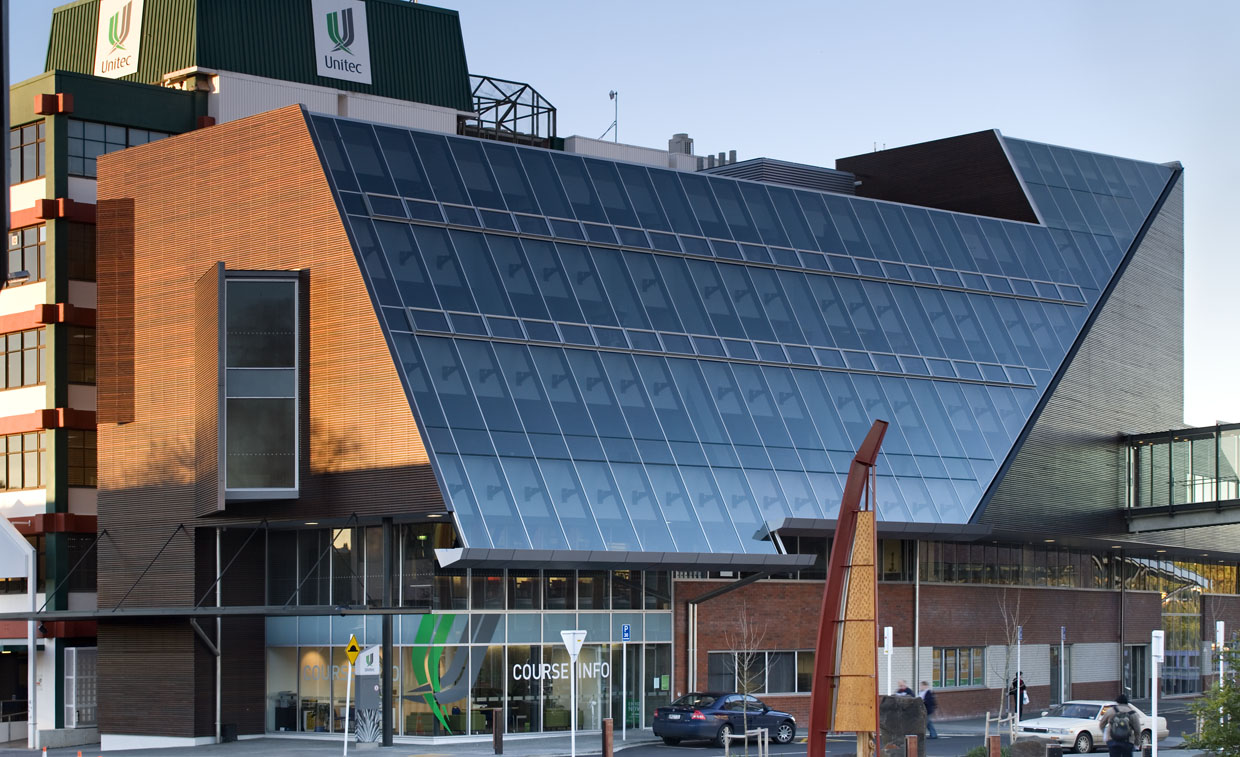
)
(845, 688)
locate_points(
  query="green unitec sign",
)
(118, 38)
(342, 40)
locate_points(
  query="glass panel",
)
(440, 168)
(260, 321)
(578, 187)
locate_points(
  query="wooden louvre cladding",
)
(250, 195)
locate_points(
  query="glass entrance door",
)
(1137, 670)
(1061, 675)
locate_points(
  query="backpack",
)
(1121, 726)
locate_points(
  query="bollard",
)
(994, 748)
(497, 729)
(910, 745)
(1054, 750)
(608, 737)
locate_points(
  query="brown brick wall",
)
(951, 615)
(252, 194)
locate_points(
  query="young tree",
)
(1012, 618)
(1218, 714)
(747, 639)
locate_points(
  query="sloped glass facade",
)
(607, 356)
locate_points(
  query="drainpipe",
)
(1120, 572)
(917, 610)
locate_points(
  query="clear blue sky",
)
(812, 81)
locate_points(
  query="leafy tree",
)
(1218, 714)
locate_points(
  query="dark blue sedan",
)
(713, 717)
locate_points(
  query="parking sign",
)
(626, 632)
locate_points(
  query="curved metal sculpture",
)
(845, 687)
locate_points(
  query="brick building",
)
(371, 364)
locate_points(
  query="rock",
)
(901, 716)
(1029, 748)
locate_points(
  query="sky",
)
(814, 81)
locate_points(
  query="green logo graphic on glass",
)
(340, 29)
(118, 28)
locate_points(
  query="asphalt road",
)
(1179, 721)
(944, 746)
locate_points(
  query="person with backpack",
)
(1122, 727)
(932, 704)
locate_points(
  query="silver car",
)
(1078, 725)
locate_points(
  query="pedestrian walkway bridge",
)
(1184, 478)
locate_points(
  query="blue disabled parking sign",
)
(626, 632)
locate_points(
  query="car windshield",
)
(695, 700)
(1074, 710)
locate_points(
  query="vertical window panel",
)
(513, 184)
(578, 188)
(549, 275)
(546, 183)
(363, 151)
(611, 192)
(515, 277)
(675, 202)
(440, 259)
(440, 167)
(587, 284)
(406, 168)
(735, 213)
(711, 219)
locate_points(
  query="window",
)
(83, 458)
(24, 357)
(955, 667)
(260, 410)
(24, 458)
(87, 141)
(82, 547)
(27, 152)
(79, 243)
(81, 364)
(27, 251)
(760, 672)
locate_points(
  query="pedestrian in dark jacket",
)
(1119, 735)
(932, 704)
(1018, 694)
(902, 689)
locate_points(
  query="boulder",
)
(1029, 747)
(900, 716)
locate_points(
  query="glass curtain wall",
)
(454, 671)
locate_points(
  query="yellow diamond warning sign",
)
(353, 650)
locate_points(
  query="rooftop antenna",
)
(615, 124)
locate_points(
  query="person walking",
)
(1121, 726)
(1018, 694)
(902, 689)
(932, 704)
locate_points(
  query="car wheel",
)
(785, 733)
(724, 732)
(1146, 739)
(670, 741)
(1084, 743)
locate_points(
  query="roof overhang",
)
(887, 529)
(470, 557)
(260, 611)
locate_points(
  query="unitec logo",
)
(118, 27)
(339, 28)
